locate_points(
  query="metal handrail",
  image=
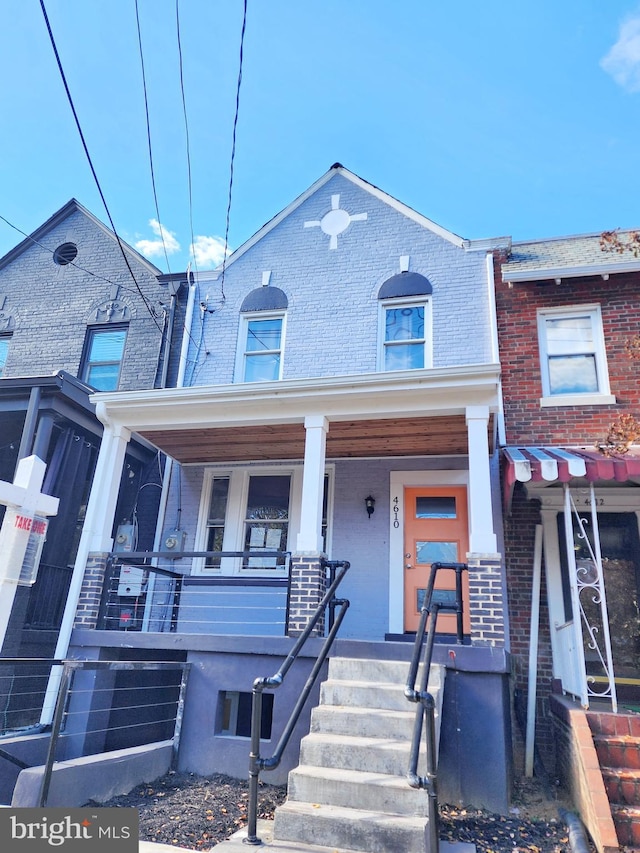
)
(425, 712)
(69, 668)
(337, 570)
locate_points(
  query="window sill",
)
(578, 400)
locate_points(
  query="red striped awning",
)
(559, 464)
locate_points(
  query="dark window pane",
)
(435, 507)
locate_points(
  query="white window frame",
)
(5, 343)
(233, 539)
(602, 396)
(242, 351)
(409, 302)
(92, 335)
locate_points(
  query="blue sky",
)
(494, 118)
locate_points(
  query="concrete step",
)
(378, 792)
(381, 672)
(368, 722)
(371, 754)
(350, 829)
(236, 844)
(363, 694)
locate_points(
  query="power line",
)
(146, 111)
(93, 171)
(186, 134)
(233, 146)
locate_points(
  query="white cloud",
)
(208, 251)
(623, 60)
(165, 241)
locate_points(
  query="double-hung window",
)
(102, 357)
(262, 348)
(4, 351)
(573, 359)
(404, 335)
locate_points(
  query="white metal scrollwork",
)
(588, 589)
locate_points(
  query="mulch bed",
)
(190, 811)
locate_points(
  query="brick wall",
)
(519, 533)
(332, 316)
(50, 306)
(526, 422)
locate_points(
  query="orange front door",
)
(436, 530)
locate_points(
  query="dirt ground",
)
(195, 812)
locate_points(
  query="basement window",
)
(234, 710)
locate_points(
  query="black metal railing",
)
(432, 605)
(141, 595)
(90, 720)
(336, 571)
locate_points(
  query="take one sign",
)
(24, 527)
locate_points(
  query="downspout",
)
(495, 349)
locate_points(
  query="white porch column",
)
(96, 532)
(310, 536)
(96, 537)
(482, 538)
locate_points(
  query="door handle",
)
(408, 566)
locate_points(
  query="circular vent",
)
(65, 253)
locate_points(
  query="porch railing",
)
(100, 706)
(141, 595)
(432, 605)
(336, 572)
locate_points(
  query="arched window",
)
(261, 342)
(405, 322)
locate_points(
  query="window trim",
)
(91, 333)
(233, 538)
(3, 364)
(242, 351)
(409, 302)
(603, 395)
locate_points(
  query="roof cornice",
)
(515, 275)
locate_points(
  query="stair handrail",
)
(425, 713)
(337, 570)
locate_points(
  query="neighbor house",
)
(568, 313)
(340, 397)
(80, 310)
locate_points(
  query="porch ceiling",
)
(427, 436)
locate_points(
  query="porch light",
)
(370, 504)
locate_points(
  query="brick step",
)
(607, 723)
(627, 823)
(618, 751)
(622, 785)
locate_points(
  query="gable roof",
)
(72, 206)
(567, 257)
(339, 169)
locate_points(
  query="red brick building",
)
(567, 313)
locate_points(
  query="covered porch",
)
(377, 434)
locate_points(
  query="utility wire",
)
(174, 345)
(186, 134)
(146, 112)
(93, 171)
(233, 147)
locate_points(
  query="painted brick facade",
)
(332, 317)
(50, 306)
